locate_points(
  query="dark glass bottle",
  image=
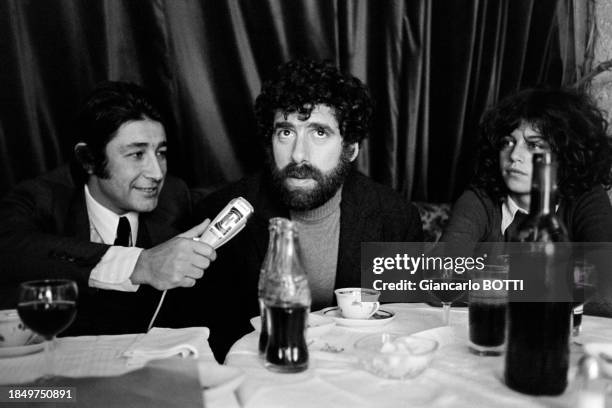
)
(537, 354)
(285, 296)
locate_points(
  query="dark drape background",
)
(432, 66)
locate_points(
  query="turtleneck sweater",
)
(318, 234)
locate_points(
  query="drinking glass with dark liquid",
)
(487, 310)
(285, 298)
(48, 307)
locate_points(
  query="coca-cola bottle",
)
(286, 299)
(537, 354)
(266, 268)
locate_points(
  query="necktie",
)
(123, 232)
(512, 229)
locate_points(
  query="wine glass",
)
(47, 307)
(584, 288)
(447, 286)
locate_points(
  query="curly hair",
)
(570, 122)
(302, 84)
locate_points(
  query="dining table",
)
(455, 377)
(162, 368)
(176, 368)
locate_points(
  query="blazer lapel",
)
(77, 219)
(358, 223)
(266, 207)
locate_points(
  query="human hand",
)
(178, 262)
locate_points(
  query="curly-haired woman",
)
(565, 122)
(570, 125)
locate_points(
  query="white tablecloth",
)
(456, 378)
(96, 356)
(103, 356)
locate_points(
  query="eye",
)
(162, 153)
(506, 142)
(320, 132)
(283, 134)
(537, 145)
(137, 155)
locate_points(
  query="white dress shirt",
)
(509, 210)
(116, 266)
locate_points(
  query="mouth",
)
(150, 191)
(515, 172)
(299, 182)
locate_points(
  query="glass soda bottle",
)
(266, 268)
(537, 354)
(286, 299)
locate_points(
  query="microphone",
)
(229, 222)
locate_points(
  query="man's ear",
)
(84, 156)
(355, 147)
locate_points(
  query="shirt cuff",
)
(115, 268)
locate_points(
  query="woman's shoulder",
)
(474, 217)
(594, 199)
(589, 216)
(477, 199)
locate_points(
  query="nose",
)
(301, 149)
(155, 168)
(518, 152)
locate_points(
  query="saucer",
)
(35, 347)
(380, 318)
(317, 325)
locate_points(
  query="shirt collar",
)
(105, 221)
(509, 210)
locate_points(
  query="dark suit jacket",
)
(228, 291)
(44, 233)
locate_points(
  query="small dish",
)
(13, 333)
(380, 318)
(37, 345)
(218, 380)
(317, 325)
(395, 356)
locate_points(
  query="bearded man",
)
(312, 119)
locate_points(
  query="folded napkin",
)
(161, 343)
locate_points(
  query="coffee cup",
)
(13, 332)
(357, 303)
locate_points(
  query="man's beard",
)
(326, 184)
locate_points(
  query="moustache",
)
(301, 171)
